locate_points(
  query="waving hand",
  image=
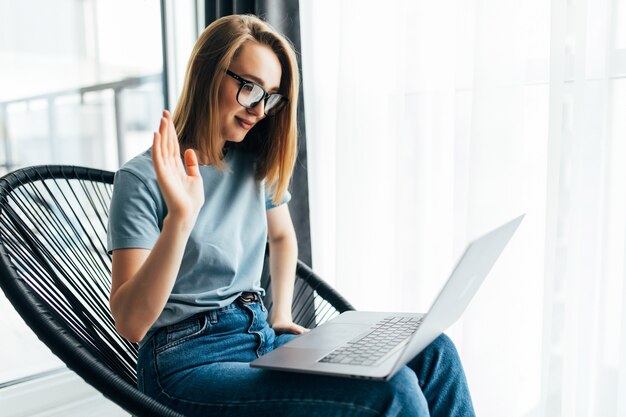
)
(183, 191)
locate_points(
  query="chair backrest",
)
(55, 270)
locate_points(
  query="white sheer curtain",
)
(430, 122)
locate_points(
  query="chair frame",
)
(59, 337)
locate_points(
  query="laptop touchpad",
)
(328, 336)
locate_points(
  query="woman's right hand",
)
(183, 191)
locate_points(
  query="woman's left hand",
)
(288, 326)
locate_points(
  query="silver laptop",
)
(375, 345)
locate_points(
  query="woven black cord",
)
(55, 270)
(66, 304)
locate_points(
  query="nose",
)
(258, 110)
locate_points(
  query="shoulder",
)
(138, 175)
(140, 166)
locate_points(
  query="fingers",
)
(301, 330)
(191, 161)
(166, 149)
(157, 155)
(169, 140)
(167, 134)
(297, 329)
(163, 133)
(290, 328)
(173, 136)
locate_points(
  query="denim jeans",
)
(199, 367)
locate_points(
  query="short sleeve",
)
(133, 215)
(268, 198)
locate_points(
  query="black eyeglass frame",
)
(279, 106)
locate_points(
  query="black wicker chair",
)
(56, 272)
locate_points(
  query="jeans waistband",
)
(246, 297)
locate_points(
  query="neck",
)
(203, 159)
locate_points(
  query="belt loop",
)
(213, 316)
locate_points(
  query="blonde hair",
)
(273, 139)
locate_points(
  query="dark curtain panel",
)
(284, 15)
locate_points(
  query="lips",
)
(246, 124)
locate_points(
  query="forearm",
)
(138, 302)
(283, 258)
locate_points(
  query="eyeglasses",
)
(250, 95)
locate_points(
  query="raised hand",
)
(183, 191)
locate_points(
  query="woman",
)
(188, 225)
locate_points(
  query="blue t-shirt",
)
(225, 251)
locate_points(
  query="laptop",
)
(375, 345)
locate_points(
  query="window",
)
(80, 83)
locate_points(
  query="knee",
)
(404, 396)
(441, 354)
(403, 384)
(444, 346)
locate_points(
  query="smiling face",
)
(255, 62)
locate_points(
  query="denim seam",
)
(213, 317)
(156, 370)
(259, 335)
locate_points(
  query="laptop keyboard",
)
(367, 349)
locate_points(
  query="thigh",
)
(234, 389)
(202, 368)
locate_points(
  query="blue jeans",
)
(199, 367)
